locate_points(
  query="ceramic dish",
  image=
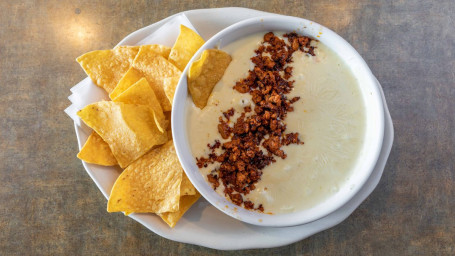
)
(203, 224)
(374, 130)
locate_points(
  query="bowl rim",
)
(178, 122)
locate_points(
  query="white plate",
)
(203, 224)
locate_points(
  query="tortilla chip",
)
(168, 116)
(130, 78)
(187, 44)
(205, 73)
(126, 53)
(169, 135)
(130, 130)
(170, 84)
(107, 67)
(171, 218)
(155, 68)
(150, 184)
(141, 93)
(133, 75)
(187, 188)
(97, 151)
(159, 49)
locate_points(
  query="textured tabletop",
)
(50, 206)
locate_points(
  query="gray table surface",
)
(49, 205)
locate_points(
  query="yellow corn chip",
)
(133, 75)
(140, 93)
(187, 188)
(168, 115)
(169, 134)
(170, 83)
(169, 126)
(106, 67)
(155, 68)
(130, 130)
(171, 218)
(187, 44)
(160, 49)
(97, 151)
(130, 78)
(205, 73)
(150, 184)
(126, 53)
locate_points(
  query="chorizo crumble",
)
(241, 158)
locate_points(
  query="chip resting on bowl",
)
(129, 129)
(106, 67)
(150, 184)
(205, 73)
(187, 44)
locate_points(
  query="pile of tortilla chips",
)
(133, 129)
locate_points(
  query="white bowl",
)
(374, 131)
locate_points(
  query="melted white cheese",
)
(330, 118)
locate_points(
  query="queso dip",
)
(329, 117)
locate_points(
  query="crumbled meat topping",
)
(241, 158)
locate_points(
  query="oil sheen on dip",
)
(330, 118)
